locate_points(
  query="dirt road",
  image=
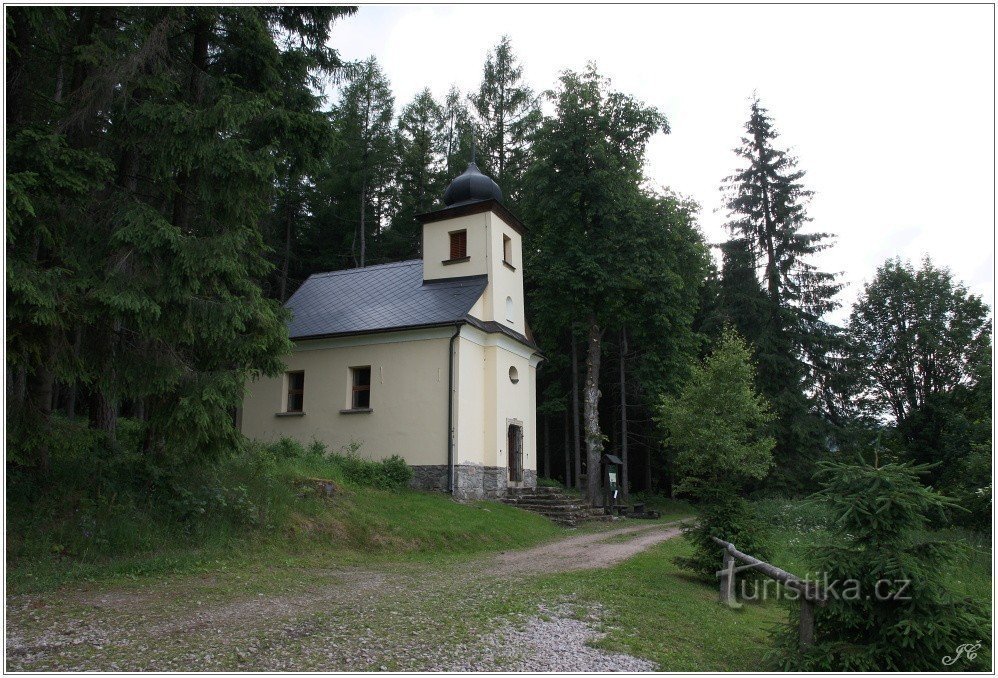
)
(463, 615)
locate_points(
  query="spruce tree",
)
(793, 344)
(459, 133)
(507, 112)
(716, 426)
(420, 174)
(139, 265)
(362, 158)
(892, 610)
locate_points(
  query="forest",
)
(175, 173)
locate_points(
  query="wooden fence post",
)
(727, 592)
(806, 623)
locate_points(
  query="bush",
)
(728, 517)
(347, 465)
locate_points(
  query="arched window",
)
(509, 309)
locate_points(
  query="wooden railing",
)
(810, 593)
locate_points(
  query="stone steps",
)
(553, 503)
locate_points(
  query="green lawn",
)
(356, 526)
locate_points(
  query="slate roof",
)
(378, 299)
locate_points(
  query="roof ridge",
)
(342, 271)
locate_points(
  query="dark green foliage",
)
(775, 297)
(921, 344)
(459, 132)
(879, 514)
(145, 146)
(724, 515)
(420, 174)
(507, 114)
(599, 249)
(355, 190)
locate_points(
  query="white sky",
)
(890, 109)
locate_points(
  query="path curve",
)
(584, 551)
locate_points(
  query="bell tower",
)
(475, 234)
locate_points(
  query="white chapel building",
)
(430, 359)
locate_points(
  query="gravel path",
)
(584, 552)
(554, 641)
(418, 617)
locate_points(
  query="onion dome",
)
(472, 186)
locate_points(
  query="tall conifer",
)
(507, 112)
(767, 201)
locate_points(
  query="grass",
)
(359, 525)
(255, 509)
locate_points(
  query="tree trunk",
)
(568, 452)
(72, 387)
(648, 450)
(575, 412)
(287, 258)
(41, 398)
(183, 205)
(547, 447)
(20, 385)
(594, 438)
(363, 228)
(624, 479)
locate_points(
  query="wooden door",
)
(514, 444)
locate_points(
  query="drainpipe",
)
(450, 408)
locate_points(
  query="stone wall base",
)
(471, 481)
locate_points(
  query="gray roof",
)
(379, 298)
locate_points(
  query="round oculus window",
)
(514, 376)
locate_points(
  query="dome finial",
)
(472, 185)
(473, 149)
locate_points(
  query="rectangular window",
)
(507, 250)
(458, 245)
(361, 392)
(296, 392)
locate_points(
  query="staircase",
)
(553, 503)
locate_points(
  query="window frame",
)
(507, 250)
(458, 237)
(356, 389)
(291, 391)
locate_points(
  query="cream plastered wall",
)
(471, 383)
(436, 247)
(503, 281)
(502, 400)
(408, 396)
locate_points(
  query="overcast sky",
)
(889, 109)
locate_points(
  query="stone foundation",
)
(430, 478)
(495, 481)
(529, 478)
(471, 481)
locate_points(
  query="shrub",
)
(388, 474)
(346, 464)
(728, 517)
